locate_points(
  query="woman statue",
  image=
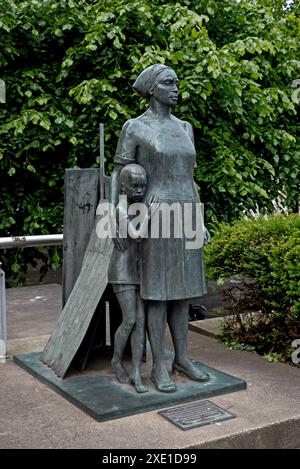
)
(169, 272)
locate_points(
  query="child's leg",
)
(127, 301)
(137, 344)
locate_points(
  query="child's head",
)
(133, 180)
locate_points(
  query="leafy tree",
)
(70, 64)
(279, 7)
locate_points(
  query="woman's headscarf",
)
(149, 79)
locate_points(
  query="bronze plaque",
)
(195, 415)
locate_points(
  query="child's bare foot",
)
(120, 371)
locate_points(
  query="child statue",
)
(123, 274)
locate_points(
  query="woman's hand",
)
(153, 205)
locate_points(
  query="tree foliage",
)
(70, 64)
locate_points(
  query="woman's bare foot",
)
(120, 371)
(138, 384)
(160, 377)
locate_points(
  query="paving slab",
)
(210, 327)
(32, 311)
(34, 416)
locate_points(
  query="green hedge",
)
(266, 249)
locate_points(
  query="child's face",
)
(136, 187)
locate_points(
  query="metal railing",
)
(30, 241)
(18, 242)
(2, 318)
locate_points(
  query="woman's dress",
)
(168, 269)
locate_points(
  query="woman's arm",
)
(125, 154)
(207, 237)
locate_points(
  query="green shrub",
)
(266, 249)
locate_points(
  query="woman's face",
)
(166, 92)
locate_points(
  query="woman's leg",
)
(157, 320)
(137, 344)
(178, 321)
(127, 301)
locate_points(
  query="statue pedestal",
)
(97, 392)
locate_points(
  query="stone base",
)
(97, 392)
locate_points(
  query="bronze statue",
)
(169, 273)
(127, 270)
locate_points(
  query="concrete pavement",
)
(34, 416)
